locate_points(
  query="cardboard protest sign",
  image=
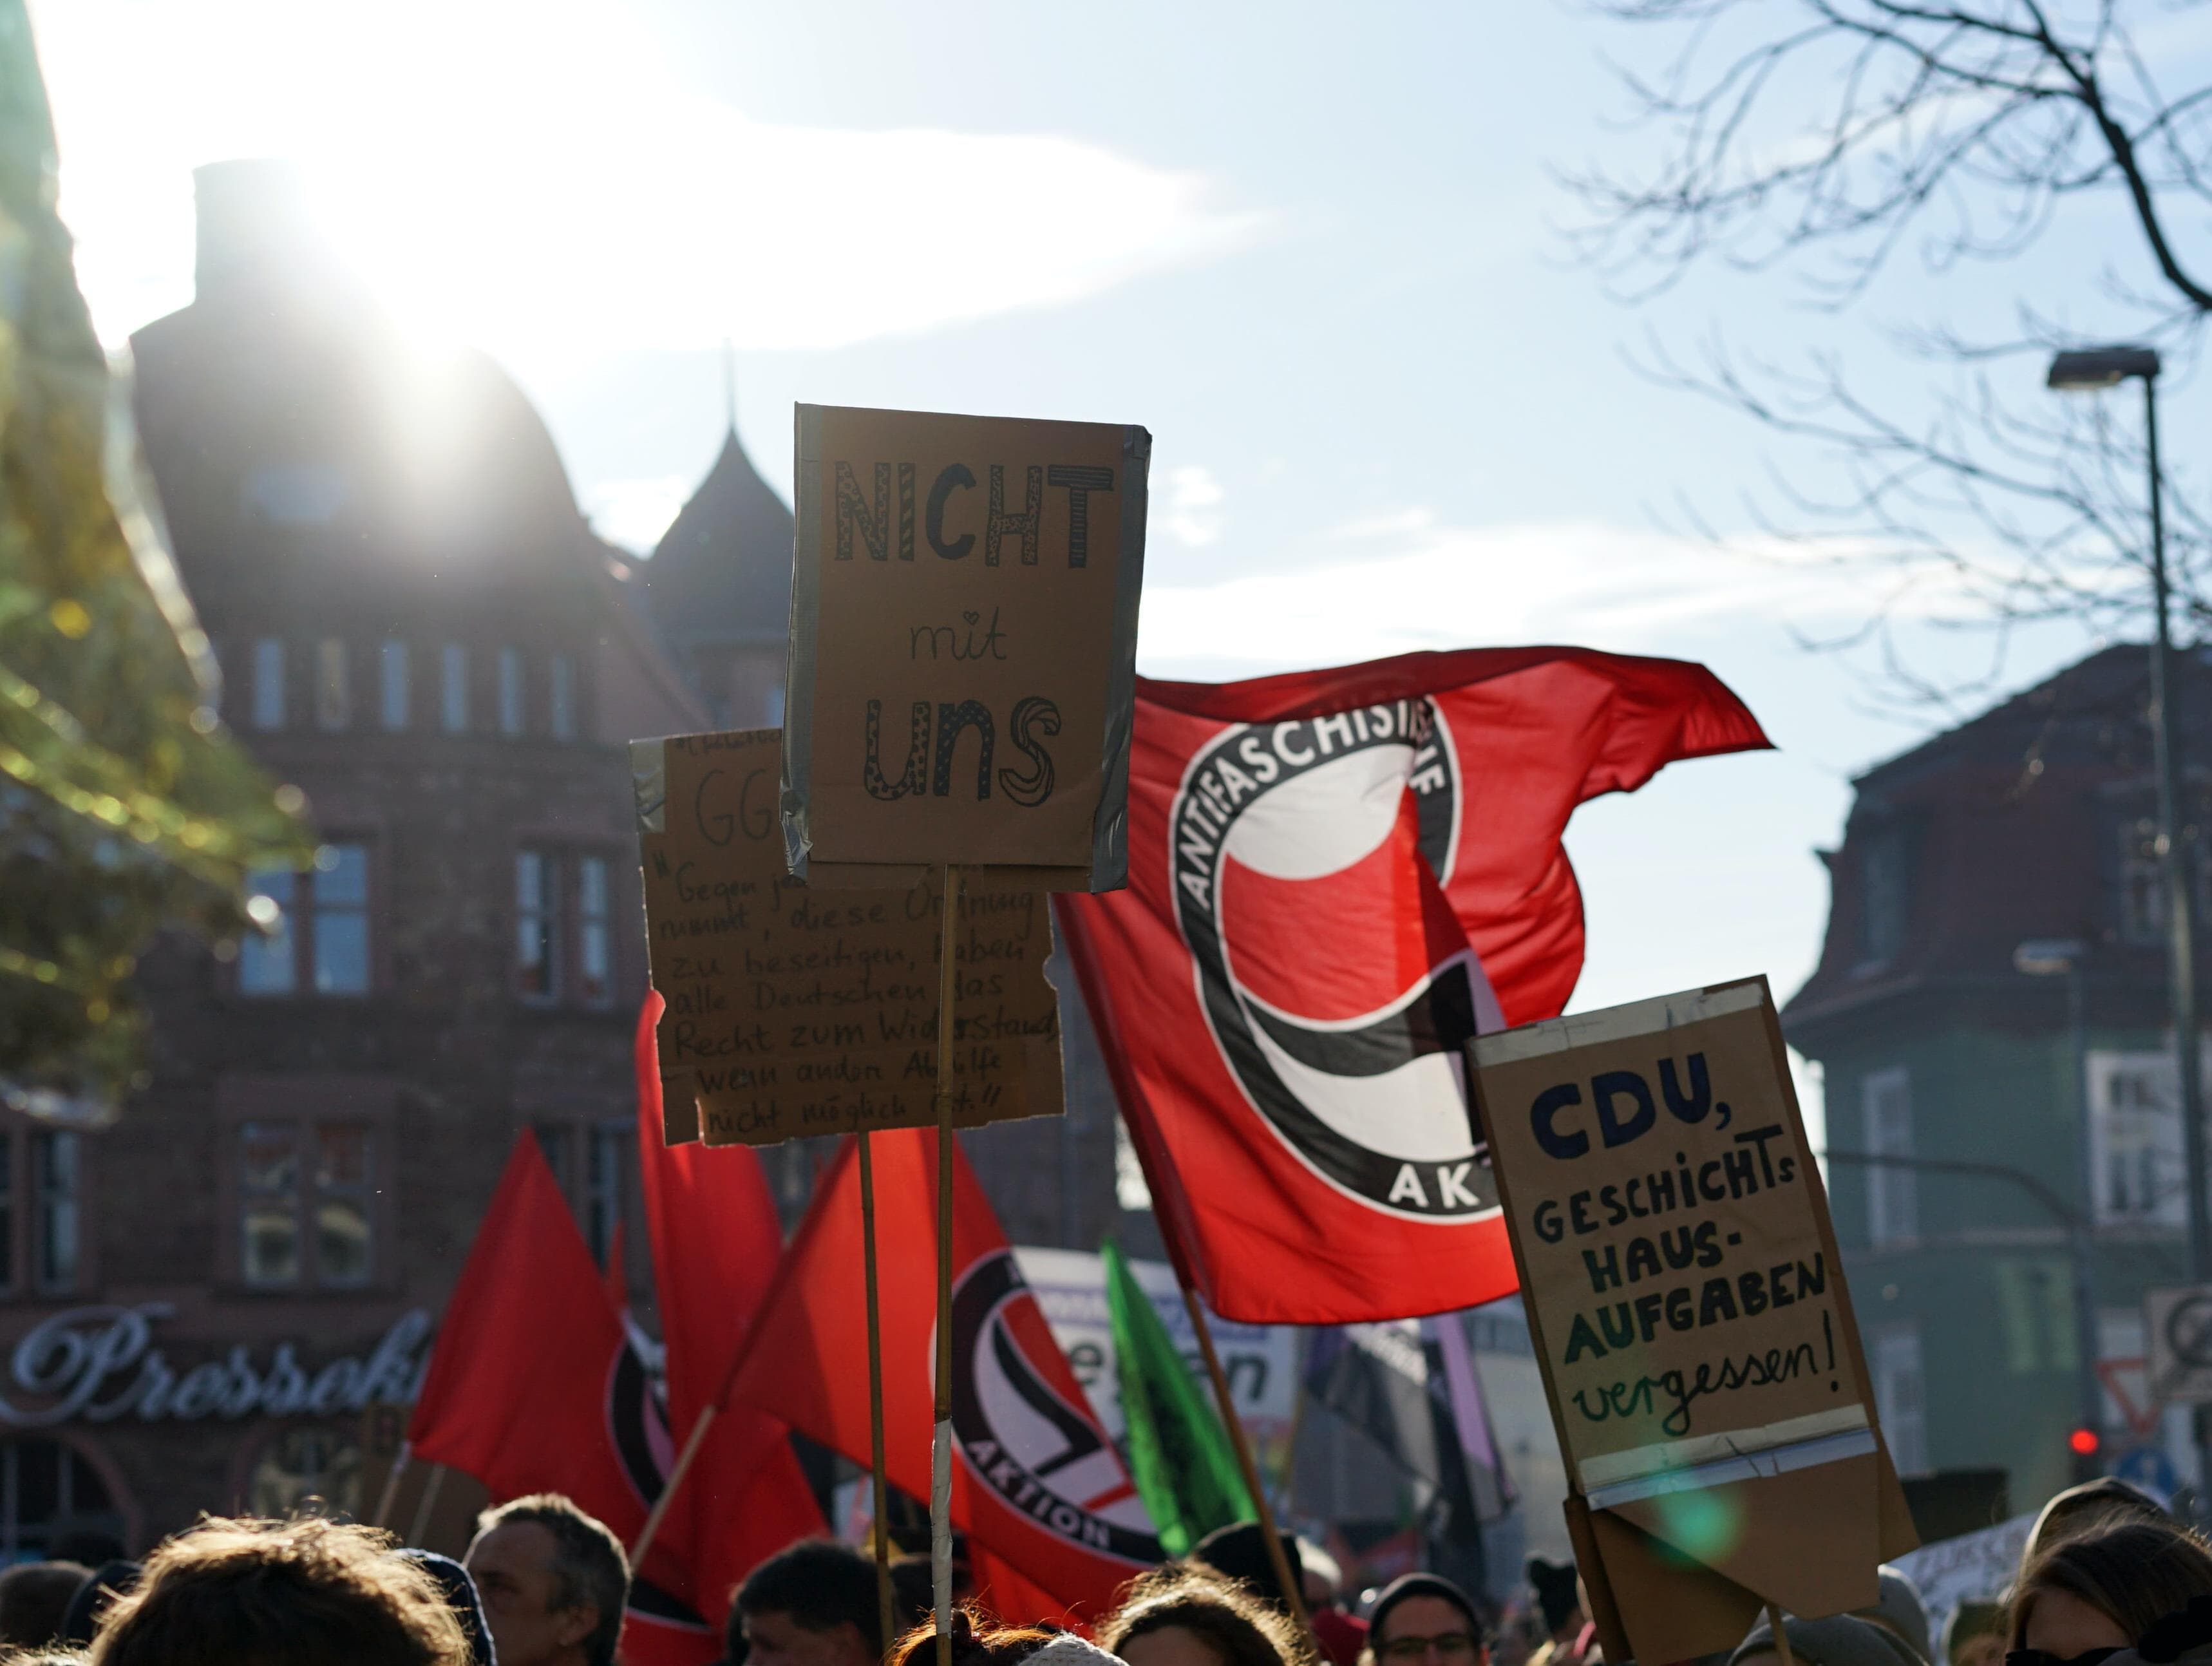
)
(964, 630)
(1687, 1304)
(792, 1011)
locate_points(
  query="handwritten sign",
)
(962, 647)
(1687, 1304)
(793, 1011)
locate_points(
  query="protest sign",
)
(963, 635)
(1260, 1361)
(794, 1012)
(1687, 1304)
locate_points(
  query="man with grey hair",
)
(554, 1583)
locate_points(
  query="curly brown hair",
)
(280, 1593)
(2134, 1572)
(1225, 1616)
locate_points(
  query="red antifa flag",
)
(715, 1243)
(1036, 1485)
(533, 1387)
(1335, 878)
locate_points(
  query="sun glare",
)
(535, 179)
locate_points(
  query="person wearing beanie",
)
(1239, 1552)
(1899, 1611)
(1845, 1641)
(1423, 1620)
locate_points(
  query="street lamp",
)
(2088, 371)
(2049, 956)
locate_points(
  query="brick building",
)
(418, 629)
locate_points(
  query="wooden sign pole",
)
(1291, 1593)
(429, 1502)
(390, 1496)
(1782, 1651)
(940, 1467)
(881, 1532)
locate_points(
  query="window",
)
(594, 942)
(333, 690)
(536, 925)
(1892, 1196)
(603, 1184)
(510, 690)
(561, 685)
(453, 688)
(47, 1490)
(2135, 1129)
(306, 1193)
(269, 684)
(267, 964)
(1900, 1399)
(391, 669)
(2142, 882)
(325, 946)
(1883, 878)
(553, 1139)
(57, 1174)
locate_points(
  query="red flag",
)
(715, 1244)
(1037, 1485)
(534, 1386)
(1336, 878)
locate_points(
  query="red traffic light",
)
(2083, 1443)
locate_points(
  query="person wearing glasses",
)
(1422, 1620)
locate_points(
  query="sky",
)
(1320, 251)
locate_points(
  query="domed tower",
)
(419, 631)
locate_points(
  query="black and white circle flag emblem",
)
(1272, 834)
(1020, 1436)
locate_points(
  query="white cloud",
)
(633, 514)
(527, 175)
(1421, 584)
(1192, 513)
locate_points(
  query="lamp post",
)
(2064, 957)
(2090, 371)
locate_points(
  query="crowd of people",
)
(2108, 1578)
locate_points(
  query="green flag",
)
(1180, 1456)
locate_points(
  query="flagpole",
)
(676, 1471)
(880, 1528)
(390, 1496)
(1292, 1595)
(428, 1502)
(1297, 1423)
(940, 1457)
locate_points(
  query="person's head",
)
(34, 1599)
(1185, 1615)
(1320, 1580)
(1899, 1610)
(553, 1580)
(812, 1605)
(2092, 1504)
(109, 1582)
(1844, 1640)
(1239, 1552)
(1974, 1635)
(2104, 1588)
(979, 1640)
(1559, 1596)
(301, 1592)
(1422, 1620)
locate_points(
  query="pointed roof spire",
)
(730, 383)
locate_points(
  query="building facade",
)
(203, 1306)
(1954, 1078)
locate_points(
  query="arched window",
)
(52, 1502)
